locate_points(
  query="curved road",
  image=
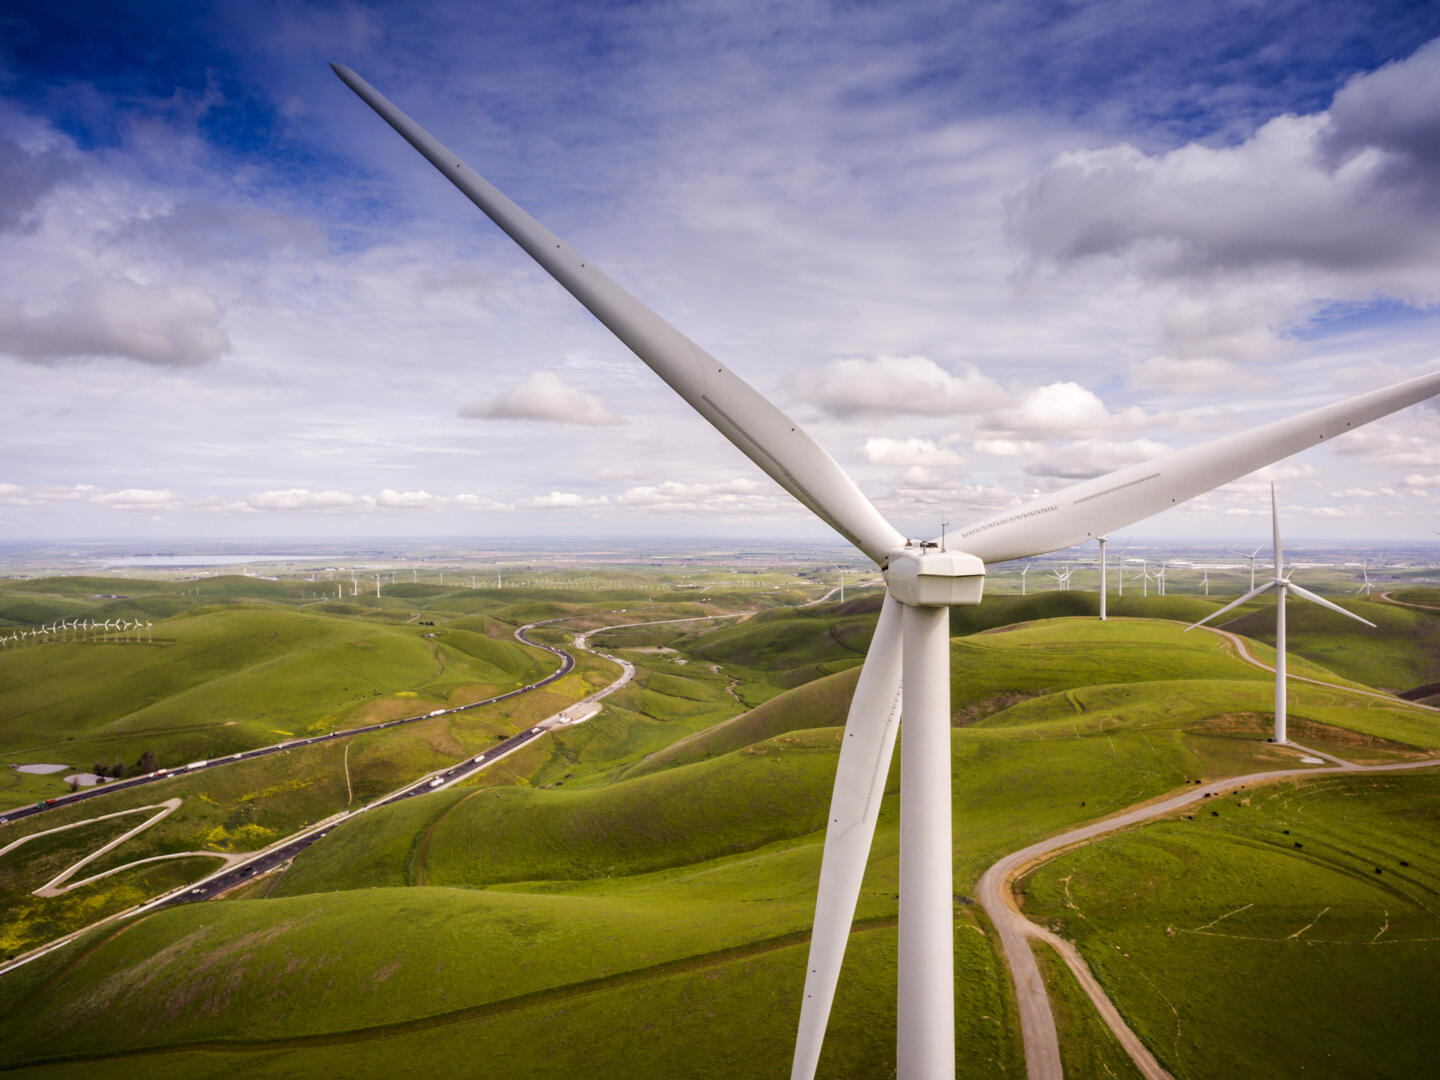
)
(567, 663)
(1037, 1023)
(242, 868)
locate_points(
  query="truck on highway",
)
(436, 712)
(437, 781)
(197, 764)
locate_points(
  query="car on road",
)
(437, 781)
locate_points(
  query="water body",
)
(211, 560)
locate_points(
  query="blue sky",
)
(980, 250)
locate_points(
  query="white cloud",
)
(475, 502)
(545, 397)
(302, 499)
(1409, 441)
(168, 326)
(893, 385)
(1346, 193)
(560, 500)
(909, 453)
(139, 499)
(406, 500)
(1066, 409)
(1093, 457)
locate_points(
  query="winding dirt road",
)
(1037, 1022)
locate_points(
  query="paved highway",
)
(567, 663)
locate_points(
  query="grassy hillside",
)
(1293, 934)
(640, 886)
(218, 680)
(1401, 653)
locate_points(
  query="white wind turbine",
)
(1206, 582)
(1366, 588)
(1251, 558)
(1023, 572)
(1063, 577)
(911, 641)
(1282, 585)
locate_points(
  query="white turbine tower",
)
(1366, 588)
(1206, 582)
(911, 641)
(1103, 541)
(1023, 572)
(1282, 585)
(1063, 577)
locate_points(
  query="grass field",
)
(216, 681)
(637, 888)
(1292, 930)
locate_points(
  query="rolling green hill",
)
(218, 680)
(639, 887)
(1290, 930)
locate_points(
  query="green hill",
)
(218, 680)
(1215, 932)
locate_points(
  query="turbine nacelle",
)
(921, 576)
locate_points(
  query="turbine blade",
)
(1308, 595)
(865, 751)
(757, 428)
(1095, 507)
(1233, 604)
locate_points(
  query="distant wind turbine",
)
(1282, 585)
(1023, 572)
(1365, 588)
(923, 578)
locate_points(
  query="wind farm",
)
(396, 676)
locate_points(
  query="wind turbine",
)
(1063, 577)
(1250, 557)
(1023, 572)
(1206, 582)
(1366, 588)
(923, 578)
(1282, 585)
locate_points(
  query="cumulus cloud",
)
(561, 500)
(1093, 457)
(909, 453)
(545, 397)
(291, 499)
(169, 326)
(1335, 191)
(895, 386)
(139, 499)
(1066, 409)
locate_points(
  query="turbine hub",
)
(927, 577)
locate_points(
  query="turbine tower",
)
(1103, 540)
(1023, 572)
(923, 578)
(1282, 585)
